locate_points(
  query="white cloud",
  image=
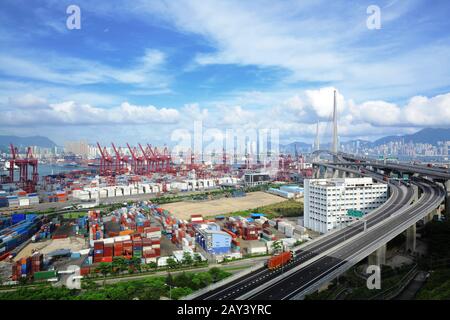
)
(73, 113)
(145, 72)
(27, 101)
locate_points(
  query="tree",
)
(88, 284)
(104, 268)
(183, 280)
(277, 246)
(169, 280)
(119, 264)
(187, 258)
(134, 264)
(152, 265)
(178, 293)
(171, 263)
(197, 259)
(201, 280)
(215, 273)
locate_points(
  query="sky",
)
(147, 71)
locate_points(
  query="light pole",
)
(170, 290)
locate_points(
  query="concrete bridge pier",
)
(378, 257)
(324, 287)
(416, 192)
(342, 174)
(429, 217)
(447, 198)
(316, 172)
(335, 173)
(411, 238)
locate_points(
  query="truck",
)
(279, 260)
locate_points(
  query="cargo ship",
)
(22, 227)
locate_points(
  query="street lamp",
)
(170, 290)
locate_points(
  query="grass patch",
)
(74, 215)
(288, 208)
(150, 288)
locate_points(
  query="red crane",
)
(158, 159)
(138, 161)
(106, 162)
(166, 159)
(27, 184)
(121, 160)
(149, 158)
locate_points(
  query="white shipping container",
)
(149, 260)
(24, 202)
(257, 250)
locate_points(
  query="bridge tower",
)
(317, 141)
(334, 146)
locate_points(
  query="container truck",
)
(279, 260)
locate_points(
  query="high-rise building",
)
(327, 201)
(80, 148)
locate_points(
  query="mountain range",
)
(427, 135)
(21, 142)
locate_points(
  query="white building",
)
(327, 200)
(254, 179)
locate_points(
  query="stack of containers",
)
(267, 235)
(37, 261)
(25, 266)
(13, 201)
(108, 251)
(147, 249)
(282, 226)
(33, 198)
(289, 230)
(3, 199)
(137, 248)
(118, 249)
(24, 201)
(5, 222)
(196, 218)
(251, 232)
(16, 271)
(127, 249)
(61, 196)
(98, 251)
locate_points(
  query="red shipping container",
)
(85, 271)
(98, 245)
(106, 259)
(146, 242)
(279, 260)
(97, 259)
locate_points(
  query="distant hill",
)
(291, 147)
(39, 141)
(427, 135)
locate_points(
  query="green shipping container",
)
(44, 275)
(137, 253)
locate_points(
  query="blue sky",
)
(139, 70)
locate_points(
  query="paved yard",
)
(184, 209)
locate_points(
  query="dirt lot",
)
(72, 243)
(184, 209)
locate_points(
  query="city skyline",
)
(185, 62)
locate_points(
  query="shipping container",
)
(279, 260)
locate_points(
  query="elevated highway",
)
(400, 197)
(318, 262)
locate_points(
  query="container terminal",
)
(38, 244)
